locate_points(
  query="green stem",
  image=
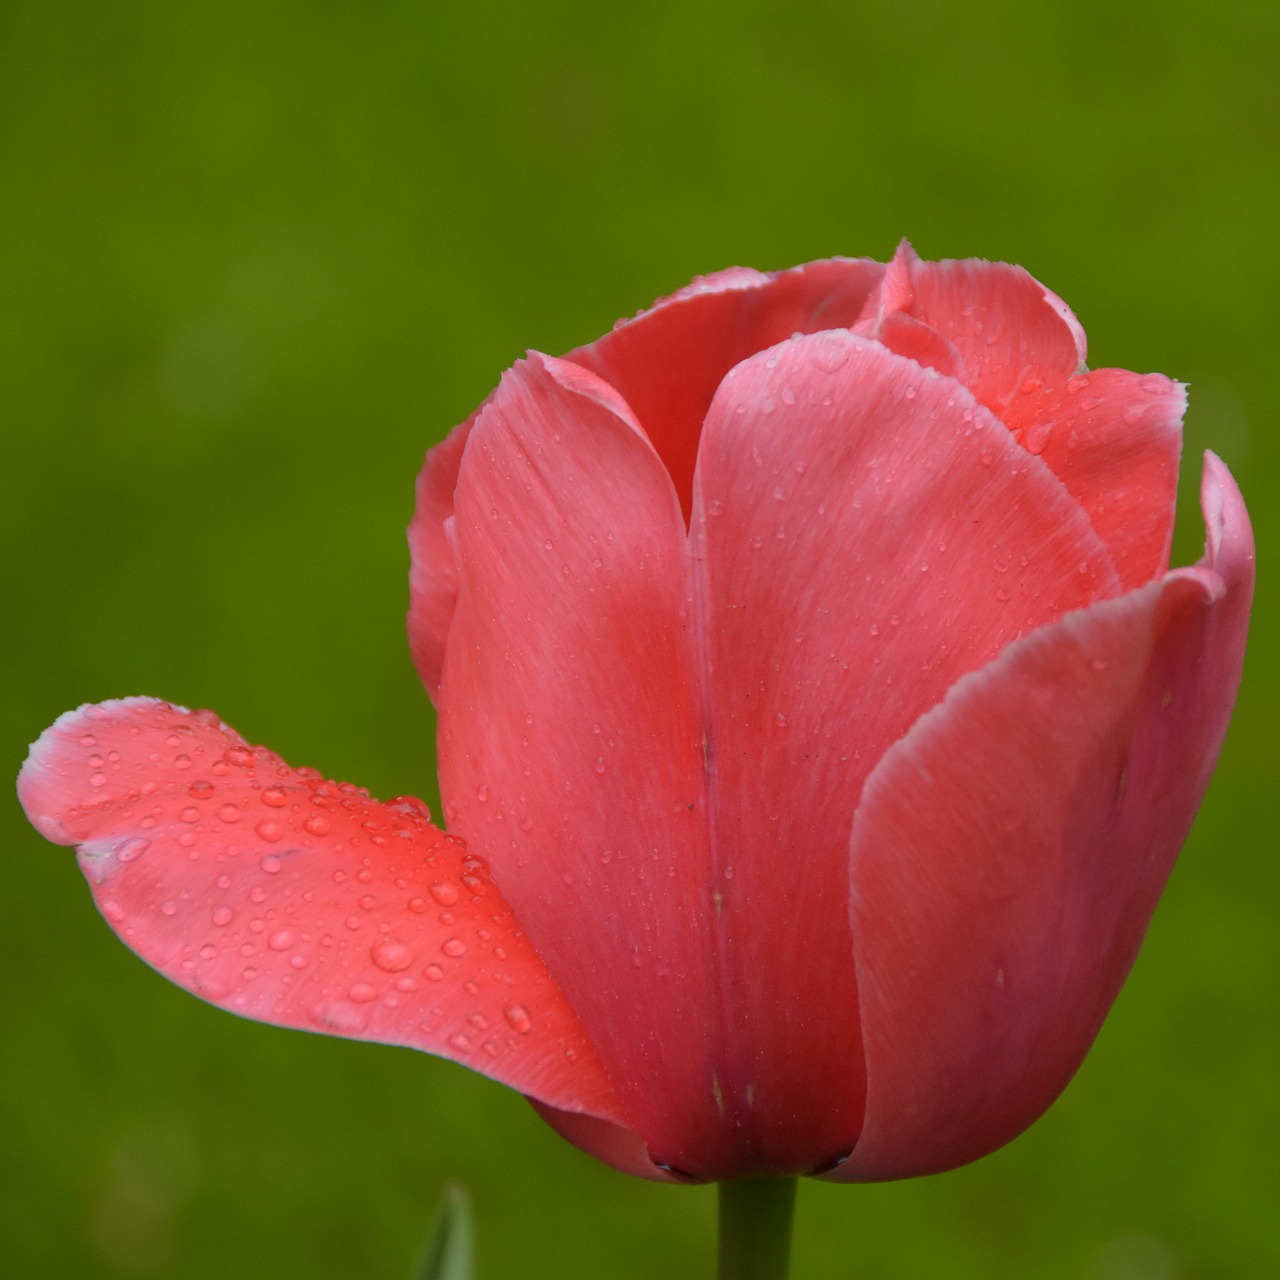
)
(755, 1228)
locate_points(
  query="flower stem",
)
(755, 1228)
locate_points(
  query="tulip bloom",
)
(819, 720)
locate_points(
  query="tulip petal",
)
(1012, 333)
(951, 542)
(570, 733)
(433, 573)
(1115, 440)
(282, 897)
(668, 361)
(1009, 851)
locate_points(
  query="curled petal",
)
(1009, 851)
(285, 898)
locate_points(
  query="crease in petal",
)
(994, 927)
(285, 898)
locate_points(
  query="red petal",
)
(570, 735)
(300, 902)
(668, 361)
(1008, 853)
(1115, 439)
(868, 533)
(1011, 332)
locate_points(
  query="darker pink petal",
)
(668, 361)
(1007, 854)
(286, 898)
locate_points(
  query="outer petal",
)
(292, 900)
(1008, 853)
(865, 533)
(668, 361)
(571, 738)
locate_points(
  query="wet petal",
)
(669, 360)
(866, 533)
(1115, 440)
(1008, 853)
(282, 897)
(1013, 335)
(570, 734)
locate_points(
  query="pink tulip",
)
(818, 709)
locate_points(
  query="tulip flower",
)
(819, 721)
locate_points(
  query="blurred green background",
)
(256, 256)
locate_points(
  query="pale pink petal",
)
(668, 361)
(433, 575)
(865, 534)
(1008, 853)
(1115, 439)
(571, 737)
(282, 897)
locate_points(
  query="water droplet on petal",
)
(454, 947)
(275, 797)
(391, 956)
(222, 917)
(444, 893)
(317, 825)
(518, 1018)
(132, 849)
(281, 940)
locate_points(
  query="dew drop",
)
(434, 972)
(317, 825)
(222, 917)
(274, 797)
(391, 956)
(182, 762)
(132, 849)
(270, 863)
(518, 1019)
(229, 813)
(268, 830)
(281, 940)
(362, 993)
(444, 893)
(453, 947)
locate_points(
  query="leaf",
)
(446, 1253)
